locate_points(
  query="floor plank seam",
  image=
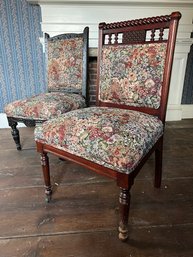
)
(58, 185)
(111, 229)
(60, 233)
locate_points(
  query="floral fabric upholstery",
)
(112, 137)
(132, 74)
(45, 106)
(65, 57)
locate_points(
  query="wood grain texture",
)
(82, 218)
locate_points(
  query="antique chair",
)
(67, 56)
(116, 137)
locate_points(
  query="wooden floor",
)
(81, 220)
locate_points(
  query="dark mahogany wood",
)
(13, 121)
(46, 174)
(158, 163)
(140, 31)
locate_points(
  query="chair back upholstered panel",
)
(132, 75)
(135, 64)
(66, 54)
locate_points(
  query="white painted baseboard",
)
(4, 123)
(187, 111)
(174, 112)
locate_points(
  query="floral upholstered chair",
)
(66, 56)
(116, 137)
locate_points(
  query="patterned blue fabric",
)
(22, 67)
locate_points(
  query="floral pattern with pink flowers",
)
(132, 74)
(45, 106)
(65, 57)
(112, 137)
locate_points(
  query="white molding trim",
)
(182, 3)
(187, 111)
(4, 123)
(174, 113)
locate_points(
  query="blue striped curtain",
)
(22, 66)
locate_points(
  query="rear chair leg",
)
(158, 163)
(15, 133)
(46, 174)
(124, 204)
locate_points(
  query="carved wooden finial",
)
(102, 25)
(176, 15)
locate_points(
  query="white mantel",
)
(117, 2)
(61, 16)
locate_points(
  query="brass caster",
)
(123, 234)
(123, 237)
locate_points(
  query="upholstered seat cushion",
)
(114, 138)
(45, 106)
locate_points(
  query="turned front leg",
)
(124, 202)
(46, 174)
(15, 133)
